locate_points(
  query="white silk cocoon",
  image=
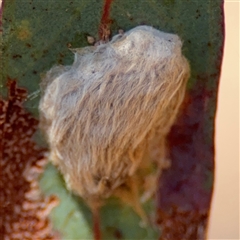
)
(110, 111)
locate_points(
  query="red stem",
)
(96, 224)
(105, 20)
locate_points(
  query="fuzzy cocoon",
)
(113, 107)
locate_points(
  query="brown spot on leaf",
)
(184, 200)
(24, 210)
(185, 191)
(179, 224)
(24, 32)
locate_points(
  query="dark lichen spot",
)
(60, 61)
(16, 56)
(118, 234)
(168, 2)
(45, 51)
(198, 14)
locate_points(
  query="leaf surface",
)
(38, 34)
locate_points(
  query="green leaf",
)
(73, 218)
(38, 34)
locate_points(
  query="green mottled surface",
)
(73, 218)
(36, 36)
